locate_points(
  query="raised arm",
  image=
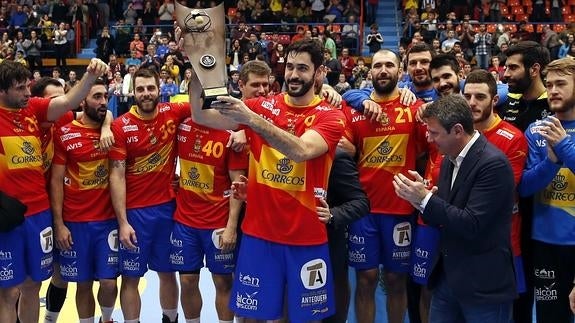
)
(71, 100)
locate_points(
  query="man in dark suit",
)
(346, 202)
(472, 278)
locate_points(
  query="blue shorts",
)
(27, 251)
(425, 246)
(265, 270)
(519, 274)
(380, 239)
(153, 226)
(94, 254)
(189, 246)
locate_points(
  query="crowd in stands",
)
(479, 32)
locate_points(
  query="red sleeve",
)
(118, 151)
(331, 127)
(238, 160)
(39, 106)
(517, 155)
(59, 149)
(65, 119)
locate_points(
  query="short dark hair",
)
(40, 86)
(450, 110)
(481, 76)
(12, 72)
(314, 48)
(531, 53)
(445, 59)
(419, 48)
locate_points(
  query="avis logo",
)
(249, 280)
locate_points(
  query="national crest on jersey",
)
(386, 147)
(205, 163)
(21, 172)
(284, 192)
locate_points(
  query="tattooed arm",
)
(126, 233)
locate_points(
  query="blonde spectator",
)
(20, 58)
(186, 81)
(47, 27)
(172, 68)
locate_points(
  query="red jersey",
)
(513, 144)
(21, 172)
(386, 148)
(148, 147)
(86, 191)
(283, 194)
(47, 140)
(205, 162)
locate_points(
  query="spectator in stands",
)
(430, 27)
(18, 19)
(245, 59)
(137, 45)
(347, 64)
(19, 42)
(303, 12)
(264, 42)
(276, 7)
(115, 65)
(436, 46)
(172, 68)
(115, 93)
(538, 14)
(374, 39)
(61, 45)
(410, 28)
(253, 47)
(299, 35)
(162, 47)
(523, 32)
(56, 72)
(151, 60)
(138, 5)
(352, 9)
(168, 89)
(258, 13)
(447, 44)
(317, 10)
(329, 43)
(275, 87)
(334, 11)
(122, 38)
(33, 18)
(482, 42)
(71, 38)
(571, 52)
(467, 38)
(20, 58)
(80, 13)
(234, 85)
(342, 84)
(497, 67)
(350, 34)
(32, 47)
(47, 27)
(133, 59)
(278, 62)
(36, 76)
(502, 53)
(130, 14)
(185, 83)
(177, 56)
(235, 53)
(149, 14)
(443, 30)
(359, 72)
(566, 46)
(551, 41)
(140, 28)
(72, 80)
(58, 11)
(367, 83)
(557, 10)
(105, 44)
(333, 68)
(495, 10)
(127, 98)
(166, 15)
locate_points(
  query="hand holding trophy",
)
(203, 31)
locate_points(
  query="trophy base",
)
(210, 95)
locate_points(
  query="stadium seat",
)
(513, 3)
(558, 28)
(566, 10)
(284, 39)
(569, 18)
(522, 17)
(491, 28)
(517, 10)
(504, 9)
(232, 12)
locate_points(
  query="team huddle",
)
(434, 192)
